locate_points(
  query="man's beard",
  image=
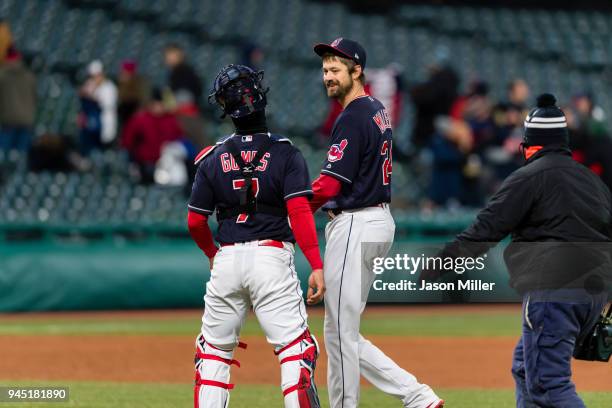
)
(340, 91)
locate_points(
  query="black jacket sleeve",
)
(505, 210)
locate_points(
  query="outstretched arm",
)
(504, 212)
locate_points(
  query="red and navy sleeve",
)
(343, 157)
(297, 180)
(202, 198)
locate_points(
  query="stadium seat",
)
(493, 44)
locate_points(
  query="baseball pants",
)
(348, 278)
(553, 320)
(247, 275)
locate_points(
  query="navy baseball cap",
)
(345, 48)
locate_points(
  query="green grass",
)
(116, 395)
(502, 324)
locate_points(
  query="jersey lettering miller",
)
(382, 120)
(360, 155)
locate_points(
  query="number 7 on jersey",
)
(237, 185)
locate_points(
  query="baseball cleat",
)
(436, 404)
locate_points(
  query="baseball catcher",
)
(258, 185)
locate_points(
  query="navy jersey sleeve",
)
(202, 198)
(297, 180)
(343, 156)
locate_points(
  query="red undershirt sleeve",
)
(324, 189)
(201, 233)
(304, 231)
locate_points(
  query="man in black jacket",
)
(182, 80)
(558, 214)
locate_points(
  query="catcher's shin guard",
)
(212, 374)
(298, 360)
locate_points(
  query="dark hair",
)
(173, 46)
(157, 94)
(479, 88)
(513, 83)
(350, 64)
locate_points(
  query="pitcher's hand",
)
(316, 287)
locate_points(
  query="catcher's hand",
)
(316, 287)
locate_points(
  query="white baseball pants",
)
(348, 278)
(249, 275)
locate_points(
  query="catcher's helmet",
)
(238, 91)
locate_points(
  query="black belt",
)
(338, 211)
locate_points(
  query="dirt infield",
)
(441, 362)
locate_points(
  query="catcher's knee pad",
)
(212, 374)
(298, 360)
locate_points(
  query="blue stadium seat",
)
(494, 44)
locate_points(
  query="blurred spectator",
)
(518, 93)
(186, 88)
(98, 117)
(182, 77)
(17, 103)
(477, 112)
(497, 133)
(476, 89)
(146, 133)
(504, 155)
(134, 91)
(510, 113)
(500, 152)
(172, 168)
(51, 153)
(191, 121)
(434, 97)
(6, 40)
(386, 86)
(508, 117)
(252, 56)
(450, 145)
(590, 118)
(456, 146)
(589, 138)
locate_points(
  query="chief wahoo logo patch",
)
(336, 151)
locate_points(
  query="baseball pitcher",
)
(256, 182)
(355, 186)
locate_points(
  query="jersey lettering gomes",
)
(281, 175)
(360, 155)
(228, 163)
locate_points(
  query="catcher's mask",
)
(238, 90)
